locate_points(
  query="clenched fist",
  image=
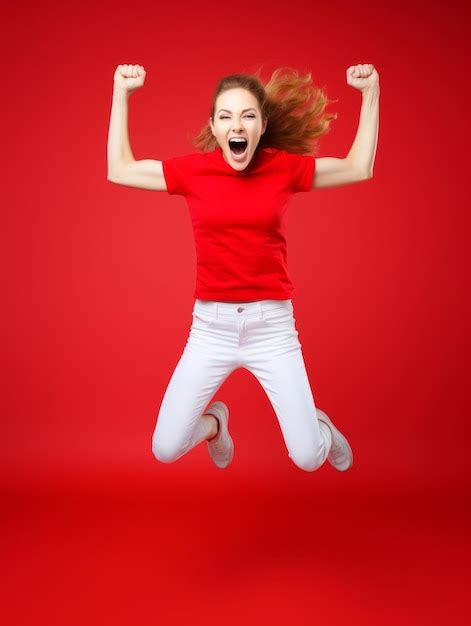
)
(363, 76)
(129, 77)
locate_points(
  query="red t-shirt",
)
(239, 220)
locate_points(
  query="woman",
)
(250, 161)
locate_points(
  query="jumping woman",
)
(250, 159)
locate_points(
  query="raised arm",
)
(358, 165)
(123, 169)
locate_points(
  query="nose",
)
(237, 126)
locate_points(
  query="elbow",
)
(360, 174)
(111, 178)
(116, 171)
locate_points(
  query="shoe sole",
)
(327, 419)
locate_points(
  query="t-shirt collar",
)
(228, 168)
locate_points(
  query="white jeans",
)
(261, 337)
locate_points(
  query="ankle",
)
(214, 423)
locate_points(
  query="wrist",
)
(120, 91)
(370, 91)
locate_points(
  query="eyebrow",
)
(227, 110)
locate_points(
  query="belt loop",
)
(216, 310)
(261, 309)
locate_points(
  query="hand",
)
(129, 77)
(363, 76)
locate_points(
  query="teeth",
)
(237, 139)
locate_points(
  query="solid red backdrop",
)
(98, 278)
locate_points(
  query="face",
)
(237, 114)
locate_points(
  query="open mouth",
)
(238, 146)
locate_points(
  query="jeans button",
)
(240, 309)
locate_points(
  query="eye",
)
(225, 117)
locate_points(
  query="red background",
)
(98, 285)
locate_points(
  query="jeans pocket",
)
(202, 320)
(281, 318)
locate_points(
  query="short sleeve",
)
(301, 168)
(177, 173)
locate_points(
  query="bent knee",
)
(311, 460)
(163, 452)
(308, 465)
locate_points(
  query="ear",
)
(212, 127)
(265, 125)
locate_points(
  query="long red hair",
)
(294, 107)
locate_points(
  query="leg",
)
(181, 423)
(285, 381)
(207, 427)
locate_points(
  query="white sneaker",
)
(221, 447)
(340, 454)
